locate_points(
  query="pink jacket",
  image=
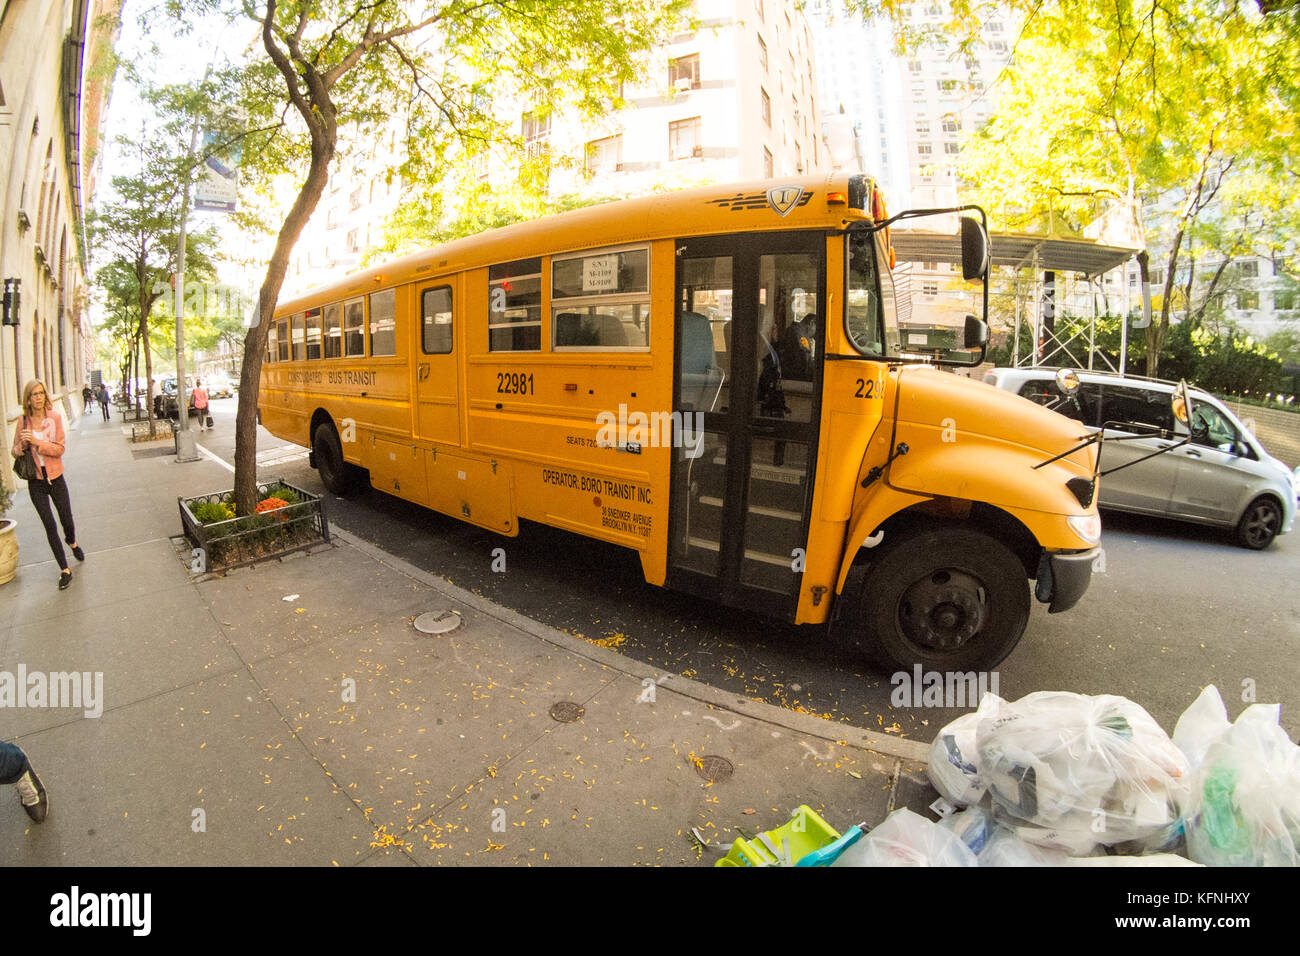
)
(48, 449)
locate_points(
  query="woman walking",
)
(42, 433)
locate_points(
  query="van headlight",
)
(1087, 527)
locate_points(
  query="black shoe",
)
(64, 580)
(38, 810)
(78, 553)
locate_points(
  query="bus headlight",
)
(1087, 527)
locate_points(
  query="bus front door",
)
(749, 338)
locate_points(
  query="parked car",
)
(1222, 477)
(219, 385)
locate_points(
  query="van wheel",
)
(335, 473)
(949, 599)
(1260, 524)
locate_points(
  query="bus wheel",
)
(335, 473)
(948, 599)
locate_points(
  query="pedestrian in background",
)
(103, 399)
(42, 433)
(15, 768)
(87, 396)
(200, 398)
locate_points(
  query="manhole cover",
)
(566, 711)
(713, 768)
(437, 622)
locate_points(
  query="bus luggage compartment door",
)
(474, 490)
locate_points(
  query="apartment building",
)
(46, 333)
(733, 99)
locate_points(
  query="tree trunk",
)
(148, 366)
(255, 341)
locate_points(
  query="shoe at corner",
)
(38, 810)
(64, 580)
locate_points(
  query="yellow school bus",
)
(716, 379)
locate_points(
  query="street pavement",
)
(290, 714)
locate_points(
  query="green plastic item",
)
(786, 845)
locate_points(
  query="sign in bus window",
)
(299, 337)
(333, 332)
(313, 334)
(383, 322)
(271, 352)
(436, 321)
(601, 300)
(282, 341)
(354, 320)
(515, 306)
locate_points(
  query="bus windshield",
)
(869, 314)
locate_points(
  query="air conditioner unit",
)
(697, 151)
(683, 83)
(618, 167)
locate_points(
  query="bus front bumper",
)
(1063, 577)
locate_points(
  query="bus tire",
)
(335, 473)
(946, 598)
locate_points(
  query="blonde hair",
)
(30, 387)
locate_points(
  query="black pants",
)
(42, 492)
(104, 405)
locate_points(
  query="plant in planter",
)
(286, 519)
(8, 537)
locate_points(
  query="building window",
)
(929, 288)
(993, 27)
(684, 72)
(354, 201)
(1247, 300)
(914, 66)
(515, 306)
(951, 124)
(1284, 299)
(536, 131)
(1248, 269)
(762, 54)
(924, 149)
(765, 106)
(768, 168)
(947, 86)
(605, 156)
(998, 46)
(684, 139)
(352, 241)
(951, 149)
(922, 127)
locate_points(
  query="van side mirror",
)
(974, 249)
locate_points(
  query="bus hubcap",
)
(942, 610)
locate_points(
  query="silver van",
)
(1222, 477)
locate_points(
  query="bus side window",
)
(435, 309)
(313, 333)
(354, 322)
(383, 322)
(333, 332)
(282, 341)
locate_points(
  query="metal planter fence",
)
(235, 542)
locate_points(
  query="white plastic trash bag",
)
(1004, 848)
(1244, 807)
(1082, 770)
(954, 760)
(908, 839)
(1201, 724)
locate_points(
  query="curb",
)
(910, 750)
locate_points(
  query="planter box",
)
(240, 541)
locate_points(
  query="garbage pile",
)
(1061, 779)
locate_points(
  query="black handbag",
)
(25, 464)
(209, 421)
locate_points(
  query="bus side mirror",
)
(976, 334)
(974, 249)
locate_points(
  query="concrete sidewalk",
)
(290, 714)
